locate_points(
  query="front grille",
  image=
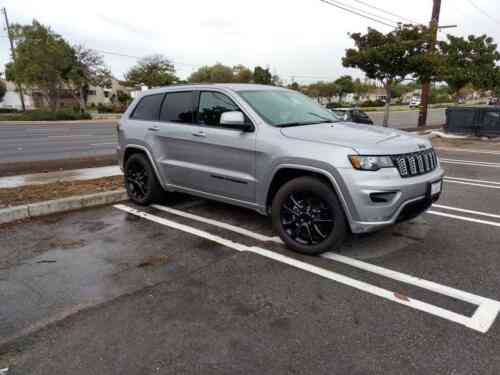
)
(416, 163)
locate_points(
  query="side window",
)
(178, 107)
(212, 106)
(148, 108)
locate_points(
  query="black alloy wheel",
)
(308, 216)
(140, 180)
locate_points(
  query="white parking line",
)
(470, 162)
(480, 213)
(474, 151)
(104, 144)
(219, 224)
(481, 321)
(471, 184)
(464, 218)
(472, 180)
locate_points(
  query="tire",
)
(313, 231)
(141, 183)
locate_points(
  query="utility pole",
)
(13, 52)
(426, 86)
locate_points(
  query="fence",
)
(480, 121)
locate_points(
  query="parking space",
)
(206, 287)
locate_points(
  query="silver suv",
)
(278, 152)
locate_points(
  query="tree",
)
(217, 73)
(469, 61)
(241, 74)
(151, 71)
(202, 75)
(221, 74)
(262, 76)
(294, 86)
(43, 60)
(3, 90)
(345, 85)
(389, 57)
(88, 69)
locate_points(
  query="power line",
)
(385, 11)
(364, 11)
(198, 65)
(483, 12)
(330, 2)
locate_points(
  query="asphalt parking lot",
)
(193, 286)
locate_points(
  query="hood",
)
(364, 139)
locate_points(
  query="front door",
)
(202, 155)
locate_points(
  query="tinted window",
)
(178, 107)
(212, 106)
(148, 108)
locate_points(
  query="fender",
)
(336, 182)
(151, 160)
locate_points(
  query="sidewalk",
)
(60, 176)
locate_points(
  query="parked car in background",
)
(493, 101)
(352, 115)
(277, 152)
(415, 102)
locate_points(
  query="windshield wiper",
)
(298, 123)
(321, 117)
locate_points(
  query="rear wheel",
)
(308, 216)
(140, 180)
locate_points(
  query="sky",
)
(301, 40)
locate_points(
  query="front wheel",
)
(308, 216)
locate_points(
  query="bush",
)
(333, 105)
(373, 103)
(8, 110)
(41, 115)
(103, 108)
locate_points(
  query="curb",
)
(8, 215)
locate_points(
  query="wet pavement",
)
(59, 176)
(187, 287)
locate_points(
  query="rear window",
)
(178, 107)
(148, 108)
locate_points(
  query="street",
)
(55, 141)
(194, 286)
(21, 143)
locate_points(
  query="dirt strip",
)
(39, 193)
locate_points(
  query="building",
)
(11, 100)
(34, 99)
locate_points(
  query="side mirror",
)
(234, 120)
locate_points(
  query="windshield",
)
(287, 108)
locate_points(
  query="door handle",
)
(154, 128)
(200, 134)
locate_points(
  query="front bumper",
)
(403, 198)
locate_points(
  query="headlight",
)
(370, 163)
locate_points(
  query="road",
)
(193, 286)
(21, 143)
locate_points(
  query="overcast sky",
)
(304, 39)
